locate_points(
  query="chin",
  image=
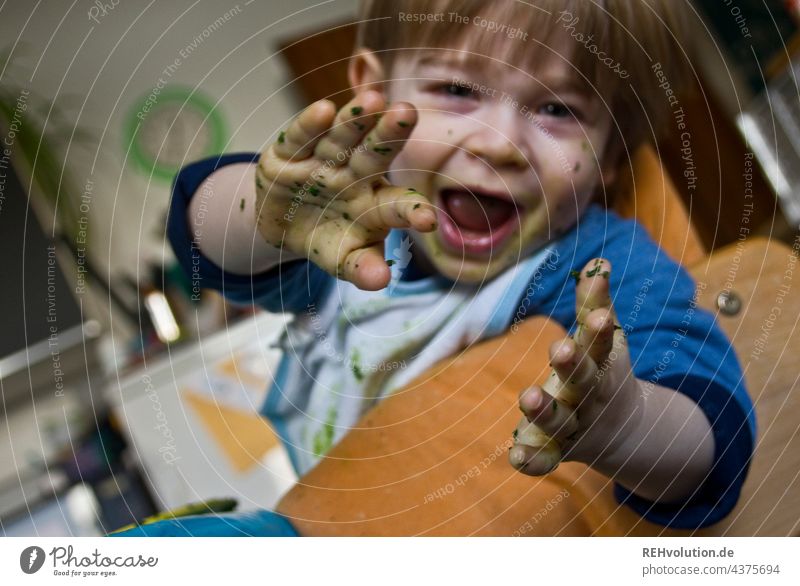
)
(465, 268)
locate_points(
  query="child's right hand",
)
(321, 191)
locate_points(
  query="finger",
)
(272, 171)
(304, 132)
(592, 289)
(575, 373)
(398, 207)
(384, 141)
(532, 460)
(556, 419)
(367, 269)
(349, 251)
(352, 122)
(595, 336)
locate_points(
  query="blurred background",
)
(124, 392)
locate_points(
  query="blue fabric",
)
(251, 524)
(289, 287)
(672, 342)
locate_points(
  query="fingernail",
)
(428, 217)
(533, 400)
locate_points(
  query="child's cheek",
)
(416, 165)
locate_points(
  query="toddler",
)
(463, 187)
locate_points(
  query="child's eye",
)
(456, 90)
(558, 110)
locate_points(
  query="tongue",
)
(477, 212)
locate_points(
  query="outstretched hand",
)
(591, 401)
(321, 191)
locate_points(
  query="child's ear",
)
(365, 72)
(611, 161)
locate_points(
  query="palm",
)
(322, 193)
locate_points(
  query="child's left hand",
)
(592, 401)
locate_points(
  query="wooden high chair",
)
(432, 458)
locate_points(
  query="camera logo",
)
(31, 559)
(401, 258)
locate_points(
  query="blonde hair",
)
(618, 44)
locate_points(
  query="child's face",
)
(505, 135)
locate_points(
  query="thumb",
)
(367, 269)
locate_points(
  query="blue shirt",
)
(672, 342)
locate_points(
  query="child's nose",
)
(495, 140)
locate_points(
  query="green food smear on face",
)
(359, 125)
(403, 124)
(314, 190)
(555, 406)
(259, 184)
(316, 251)
(345, 215)
(241, 204)
(382, 150)
(390, 262)
(323, 439)
(356, 110)
(575, 275)
(355, 362)
(416, 205)
(282, 137)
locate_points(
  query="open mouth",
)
(475, 222)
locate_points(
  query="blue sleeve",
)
(673, 343)
(289, 287)
(260, 523)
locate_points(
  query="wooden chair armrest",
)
(432, 458)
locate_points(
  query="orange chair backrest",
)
(647, 194)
